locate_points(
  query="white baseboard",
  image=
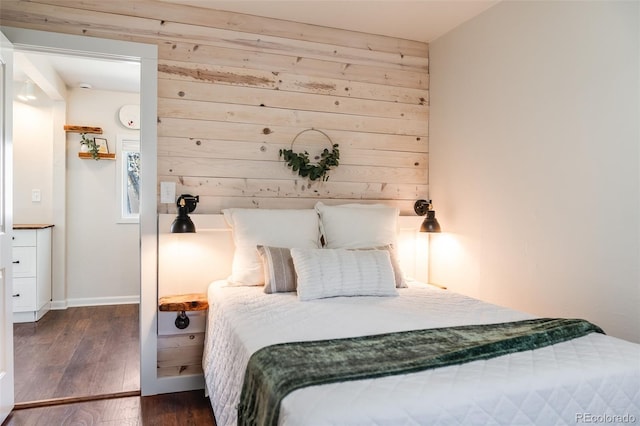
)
(57, 305)
(94, 301)
(31, 316)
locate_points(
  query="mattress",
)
(592, 377)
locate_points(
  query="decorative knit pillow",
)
(339, 272)
(279, 273)
(395, 264)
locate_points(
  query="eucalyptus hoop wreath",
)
(299, 162)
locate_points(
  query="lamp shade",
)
(183, 224)
(430, 223)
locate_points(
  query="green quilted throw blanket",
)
(275, 371)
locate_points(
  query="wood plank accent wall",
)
(234, 89)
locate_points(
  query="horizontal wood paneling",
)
(204, 54)
(235, 89)
(215, 148)
(266, 133)
(240, 168)
(215, 111)
(249, 23)
(217, 203)
(304, 101)
(168, 29)
(292, 82)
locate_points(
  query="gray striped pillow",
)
(279, 273)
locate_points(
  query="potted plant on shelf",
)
(89, 145)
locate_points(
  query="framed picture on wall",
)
(103, 146)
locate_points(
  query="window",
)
(128, 158)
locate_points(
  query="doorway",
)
(30, 41)
(63, 355)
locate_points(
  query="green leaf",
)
(300, 162)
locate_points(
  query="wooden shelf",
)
(101, 155)
(82, 129)
(184, 302)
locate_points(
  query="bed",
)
(593, 378)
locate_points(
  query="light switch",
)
(35, 195)
(168, 192)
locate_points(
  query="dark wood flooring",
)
(78, 352)
(89, 353)
(179, 409)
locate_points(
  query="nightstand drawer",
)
(24, 262)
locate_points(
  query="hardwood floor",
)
(183, 409)
(89, 353)
(78, 352)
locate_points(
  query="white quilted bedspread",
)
(595, 377)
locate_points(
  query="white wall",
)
(534, 160)
(32, 151)
(103, 256)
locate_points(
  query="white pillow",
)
(361, 226)
(358, 225)
(338, 272)
(267, 227)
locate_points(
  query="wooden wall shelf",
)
(101, 155)
(184, 302)
(82, 129)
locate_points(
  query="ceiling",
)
(421, 20)
(75, 71)
(101, 74)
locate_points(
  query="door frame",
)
(147, 56)
(7, 395)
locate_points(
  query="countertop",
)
(32, 225)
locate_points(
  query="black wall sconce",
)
(186, 204)
(430, 223)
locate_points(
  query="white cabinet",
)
(31, 272)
